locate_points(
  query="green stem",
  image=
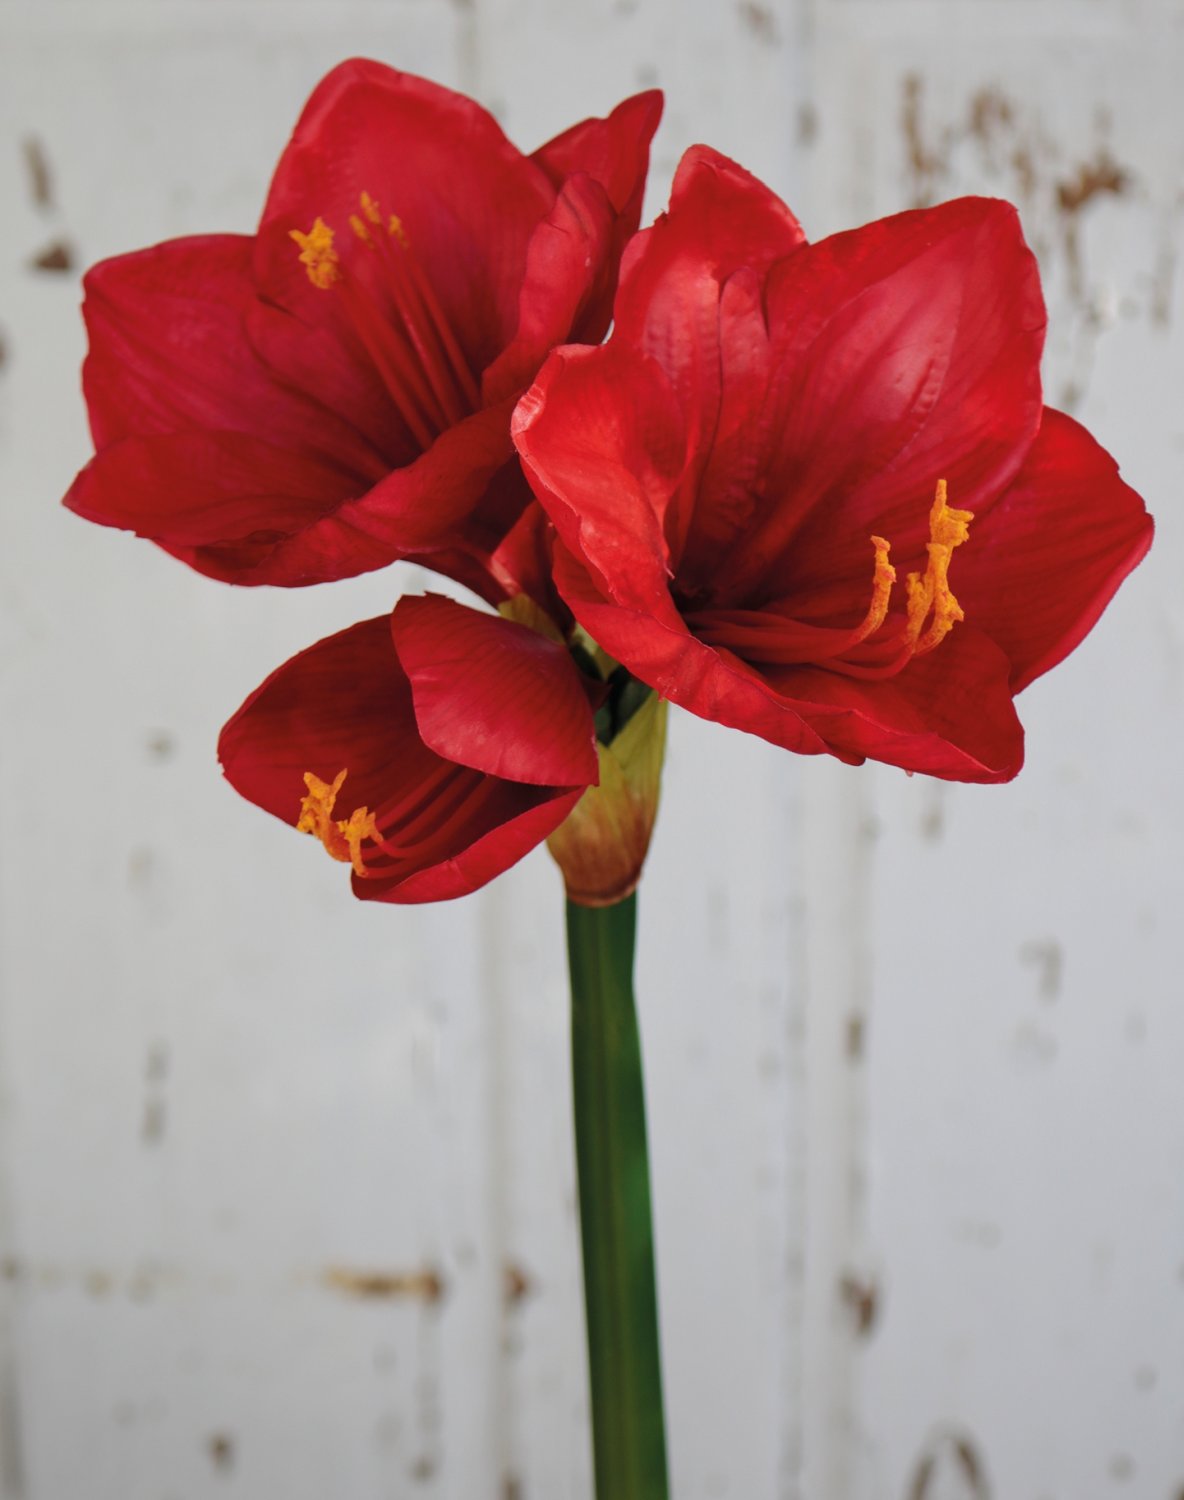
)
(624, 1364)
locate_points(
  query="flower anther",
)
(341, 837)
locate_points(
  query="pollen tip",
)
(317, 254)
(930, 591)
(342, 837)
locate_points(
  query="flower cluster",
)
(807, 490)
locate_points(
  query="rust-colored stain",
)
(1102, 175)
(925, 164)
(57, 257)
(511, 1488)
(426, 1285)
(855, 1038)
(990, 111)
(760, 21)
(949, 1450)
(862, 1298)
(807, 124)
(37, 168)
(516, 1284)
(221, 1450)
(423, 1469)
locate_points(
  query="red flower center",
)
(398, 318)
(773, 636)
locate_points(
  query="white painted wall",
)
(226, 1090)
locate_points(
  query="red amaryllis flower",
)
(429, 771)
(811, 490)
(335, 391)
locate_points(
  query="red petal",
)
(468, 200)
(344, 704)
(601, 439)
(1043, 563)
(169, 353)
(493, 695)
(615, 152)
(195, 489)
(656, 646)
(947, 714)
(569, 267)
(720, 219)
(904, 352)
(244, 511)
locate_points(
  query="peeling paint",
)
(426, 1285)
(861, 1297)
(56, 257)
(38, 172)
(517, 1285)
(1098, 178)
(951, 1464)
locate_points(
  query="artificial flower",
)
(428, 750)
(334, 392)
(812, 491)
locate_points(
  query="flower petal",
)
(615, 152)
(467, 198)
(248, 512)
(721, 219)
(656, 646)
(494, 695)
(602, 441)
(948, 714)
(345, 704)
(904, 352)
(569, 267)
(169, 353)
(1050, 554)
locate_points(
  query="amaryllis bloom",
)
(429, 750)
(334, 392)
(811, 491)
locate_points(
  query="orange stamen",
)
(342, 838)
(317, 254)
(882, 580)
(929, 592)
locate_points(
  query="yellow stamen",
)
(372, 214)
(882, 580)
(317, 254)
(930, 591)
(342, 837)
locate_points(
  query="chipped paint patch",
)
(950, 1465)
(426, 1285)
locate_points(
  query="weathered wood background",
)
(286, 1188)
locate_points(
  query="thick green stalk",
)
(624, 1363)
